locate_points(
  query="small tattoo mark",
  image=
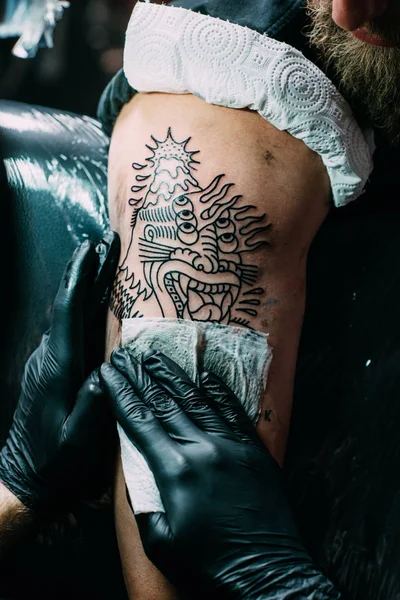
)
(267, 414)
(269, 157)
(264, 323)
(271, 302)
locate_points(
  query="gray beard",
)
(370, 75)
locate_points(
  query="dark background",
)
(87, 52)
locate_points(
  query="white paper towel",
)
(239, 356)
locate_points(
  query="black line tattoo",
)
(193, 243)
(267, 415)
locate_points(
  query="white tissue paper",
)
(240, 357)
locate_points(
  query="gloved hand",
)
(62, 426)
(228, 531)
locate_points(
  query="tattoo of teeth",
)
(194, 244)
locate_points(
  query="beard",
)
(367, 74)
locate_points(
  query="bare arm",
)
(216, 210)
(15, 519)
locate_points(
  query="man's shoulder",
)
(271, 17)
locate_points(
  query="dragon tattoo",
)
(194, 244)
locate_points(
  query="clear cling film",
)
(33, 22)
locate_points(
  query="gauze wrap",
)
(239, 356)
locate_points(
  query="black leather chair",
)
(344, 453)
(56, 169)
(53, 182)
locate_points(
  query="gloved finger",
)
(91, 416)
(186, 394)
(140, 424)
(89, 436)
(156, 535)
(159, 545)
(229, 407)
(34, 363)
(66, 330)
(167, 411)
(107, 250)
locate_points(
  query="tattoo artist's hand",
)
(62, 426)
(228, 530)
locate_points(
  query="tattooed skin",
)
(194, 244)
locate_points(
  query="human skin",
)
(360, 43)
(350, 14)
(287, 188)
(15, 519)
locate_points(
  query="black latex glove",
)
(228, 531)
(62, 425)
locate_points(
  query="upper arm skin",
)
(255, 197)
(205, 235)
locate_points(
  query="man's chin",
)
(367, 74)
